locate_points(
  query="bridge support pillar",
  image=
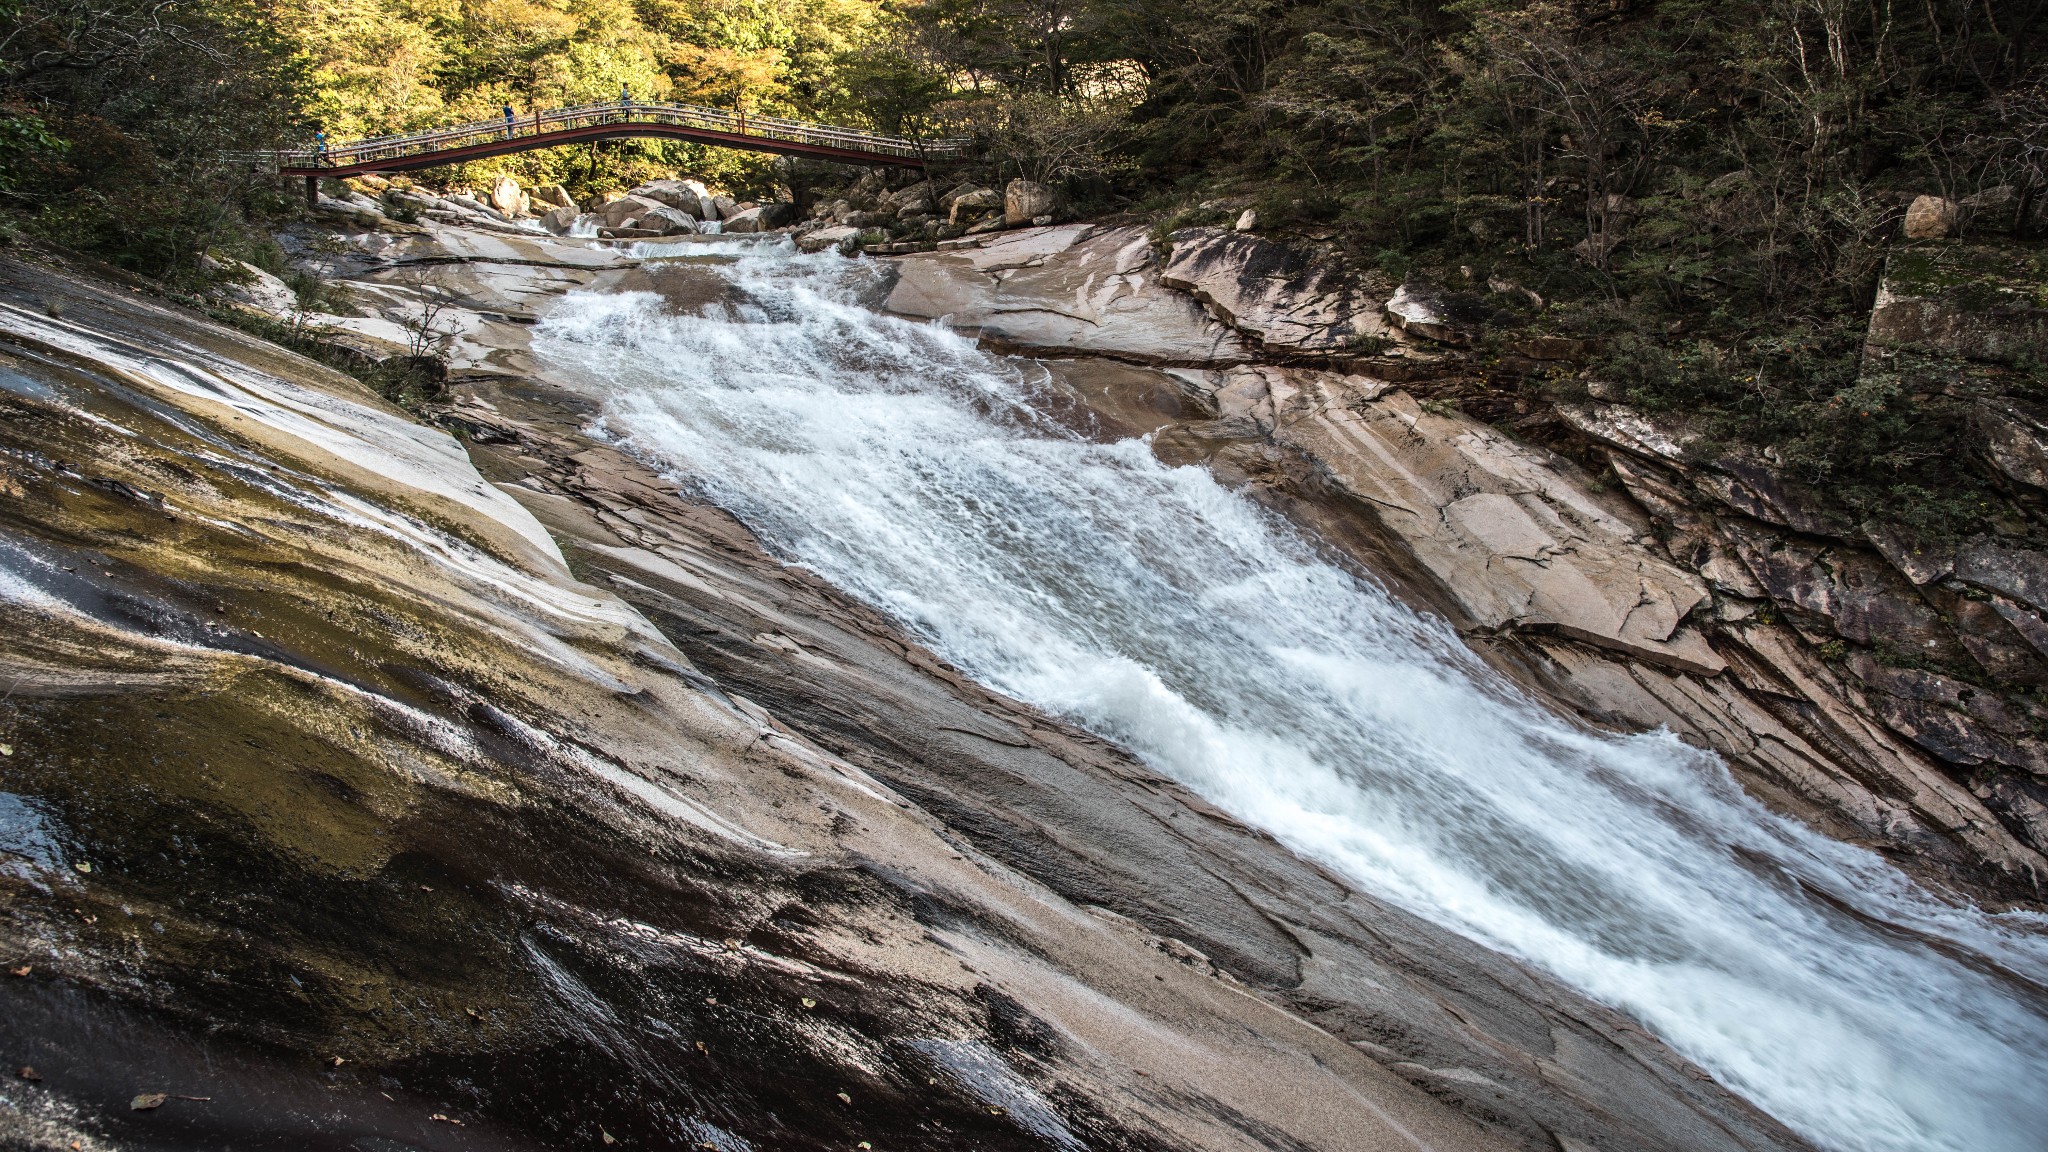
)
(312, 191)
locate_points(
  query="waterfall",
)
(1159, 609)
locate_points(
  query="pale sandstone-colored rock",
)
(505, 195)
(1930, 218)
(1069, 288)
(1277, 296)
(1026, 200)
(1511, 533)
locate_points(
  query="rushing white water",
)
(1159, 609)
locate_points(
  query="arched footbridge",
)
(610, 120)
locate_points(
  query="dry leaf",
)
(445, 1119)
(147, 1101)
(711, 999)
(24, 970)
(608, 1137)
(844, 1098)
(810, 1003)
(28, 1073)
(337, 1061)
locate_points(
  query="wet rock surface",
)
(1718, 598)
(385, 804)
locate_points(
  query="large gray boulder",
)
(626, 208)
(829, 237)
(682, 195)
(762, 218)
(560, 220)
(666, 221)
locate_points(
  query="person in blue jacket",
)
(508, 120)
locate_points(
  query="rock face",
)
(1073, 288)
(445, 796)
(1719, 599)
(1271, 293)
(1510, 533)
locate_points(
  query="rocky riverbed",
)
(373, 784)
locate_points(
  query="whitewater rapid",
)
(1159, 609)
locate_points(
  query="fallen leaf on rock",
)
(6, 749)
(147, 1101)
(28, 1073)
(865, 1144)
(83, 865)
(844, 1098)
(24, 970)
(995, 1111)
(608, 1137)
(445, 1119)
(337, 1061)
(473, 1014)
(810, 1003)
(701, 1047)
(711, 999)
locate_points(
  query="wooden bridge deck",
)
(610, 120)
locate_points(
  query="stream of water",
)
(1155, 607)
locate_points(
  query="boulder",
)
(359, 215)
(466, 203)
(505, 195)
(1023, 200)
(1931, 218)
(722, 208)
(1281, 297)
(823, 238)
(970, 204)
(1247, 220)
(953, 196)
(665, 221)
(864, 220)
(560, 220)
(762, 218)
(682, 195)
(553, 194)
(630, 207)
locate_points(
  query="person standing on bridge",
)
(625, 97)
(320, 146)
(508, 119)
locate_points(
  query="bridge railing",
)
(554, 120)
